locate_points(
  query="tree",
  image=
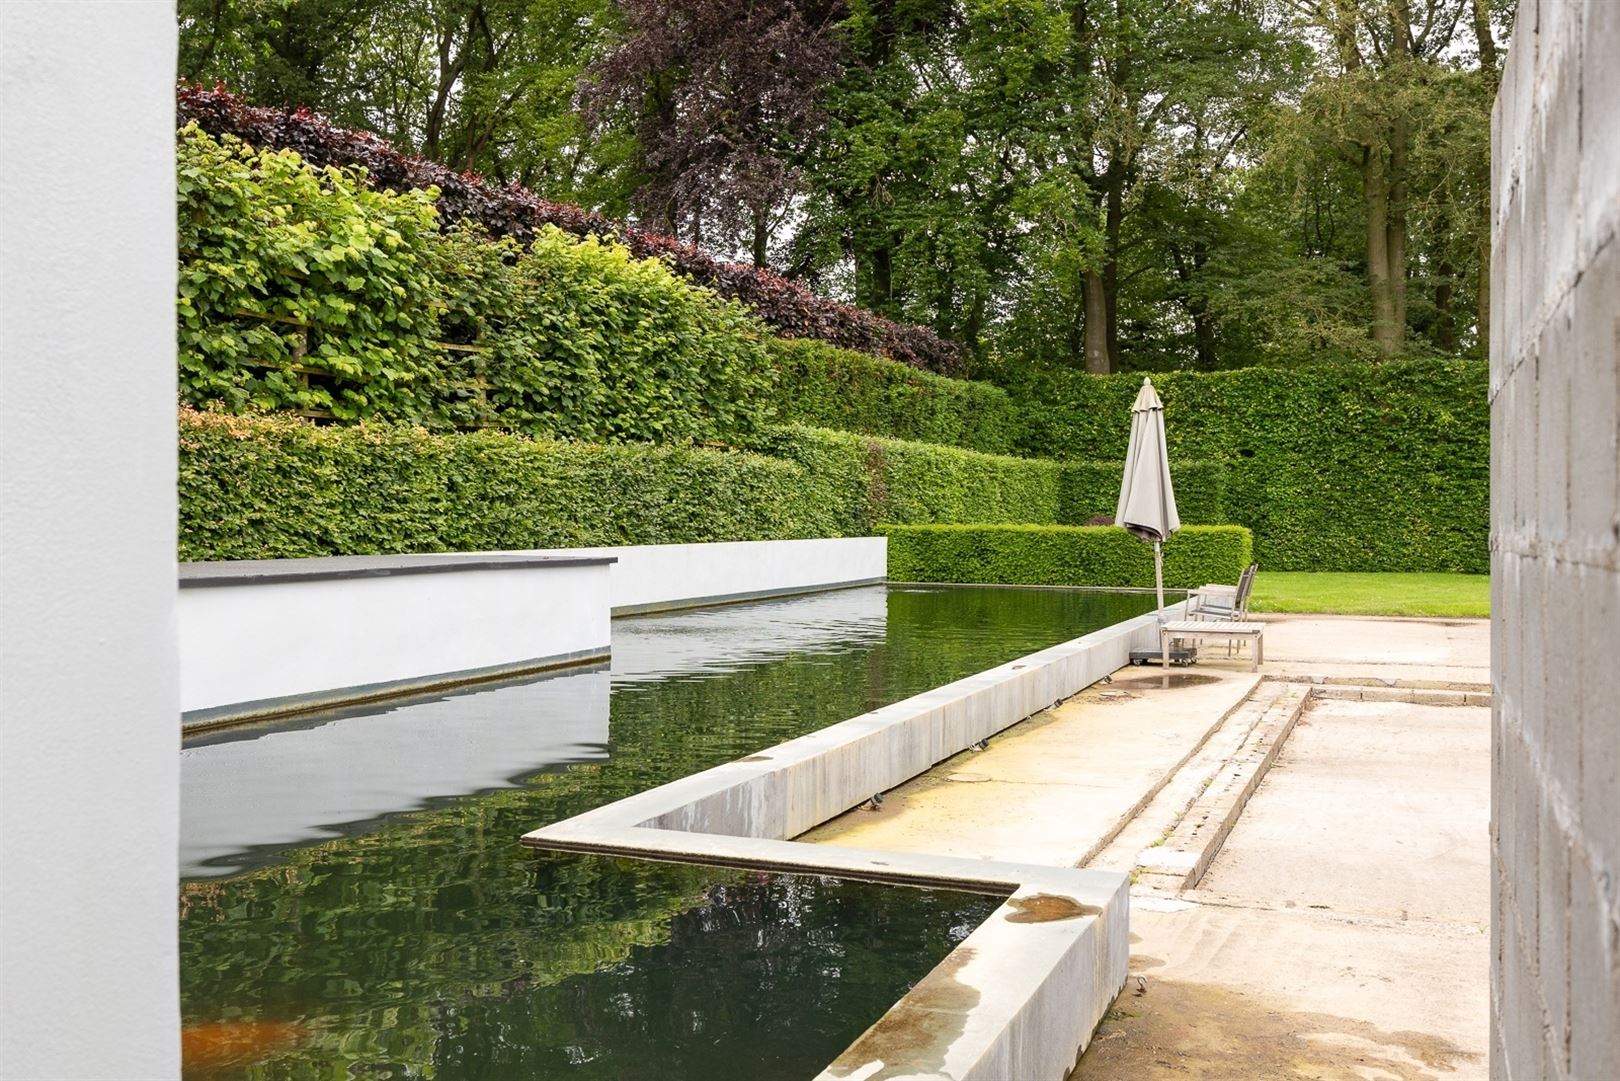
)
(1396, 92)
(723, 100)
(485, 86)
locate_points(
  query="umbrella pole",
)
(1158, 581)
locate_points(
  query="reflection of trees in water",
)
(436, 942)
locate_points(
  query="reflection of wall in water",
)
(292, 784)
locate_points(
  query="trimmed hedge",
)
(280, 487)
(1063, 555)
(863, 480)
(1382, 467)
(858, 481)
(1091, 490)
(573, 338)
(516, 212)
(823, 386)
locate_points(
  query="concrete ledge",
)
(663, 577)
(1022, 995)
(652, 607)
(1180, 862)
(263, 638)
(239, 572)
(201, 720)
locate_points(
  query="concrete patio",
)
(1341, 926)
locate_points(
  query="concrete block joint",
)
(1555, 546)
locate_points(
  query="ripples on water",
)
(355, 903)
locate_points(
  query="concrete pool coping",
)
(1022, 994)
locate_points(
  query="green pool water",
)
(356, 905)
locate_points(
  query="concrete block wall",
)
(1555, 534)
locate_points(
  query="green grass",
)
(1454, 595)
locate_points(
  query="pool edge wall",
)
(1025, 997)
(269, 638)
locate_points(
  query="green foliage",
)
(484, 86)
(265, 233)
(279, 487)
(824, 386)
(862, 480)
(1381, 467)
(574, 338)
(1063, 555)
(1091, 490)
(587, 341)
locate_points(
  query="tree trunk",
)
(1483, 38)
(762, 238)
(1445, 316)
(882, 281)
(1400, 140)
(1098, 359)
(1376, 197)
(450, 69)
(1110, 273)
(1395, 227)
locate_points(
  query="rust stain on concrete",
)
(1048, 907)
(914, 1036)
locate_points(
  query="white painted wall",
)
(252, 642)
(89, 773)
(652, 576)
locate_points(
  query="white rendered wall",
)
(652, 576)
(89, 767)
(253, 642)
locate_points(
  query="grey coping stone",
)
(246, 572)
(1032, 982)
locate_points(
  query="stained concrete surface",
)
(1432, 650)
(1342, 930)
(1374, 807)
(1052, 789)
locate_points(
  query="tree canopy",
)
(1098, 184)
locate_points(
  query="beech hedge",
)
(280, 487)
(858, 481)
(1063, 555)
(356, 293)
(516, 212)
(823, 386)
(276, 486)
(1378, 467)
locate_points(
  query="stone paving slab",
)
(1377, 807)
(1236, 994)
(1342, 932)
(1056, 788)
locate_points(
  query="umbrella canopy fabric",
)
(1147, 501)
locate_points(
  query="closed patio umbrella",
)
(1147, 501)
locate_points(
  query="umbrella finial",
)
(1146, 398)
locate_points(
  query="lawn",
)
(1456, 595)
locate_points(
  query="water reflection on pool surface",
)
(355, 902)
